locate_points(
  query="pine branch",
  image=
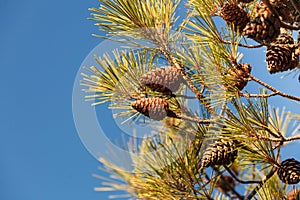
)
(131, 20)
(237, 179)
(247, 95)
(292, 138)
(274, 90)
(166, 51)
(184, 96)
(262, 182)
(192, 119)
(242, 45)
(296, 5)
(232, 189)
(291, 27)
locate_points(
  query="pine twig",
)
(197, 120)
(274, 90)
(161, 42)
(166, 51)
(191, 119)
(237, 179)
(297, 137)
(247, 95)
(287, 26)
(279, 151)
(280, 140)
(261, 183)
(295, 5)
(242, 45)
(184, 96)
(240, 197)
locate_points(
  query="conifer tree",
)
(230, 147)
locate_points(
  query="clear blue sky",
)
(42, 45)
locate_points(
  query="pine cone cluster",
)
(239, 75)
(289, 171)
(164, 79)
(154, 108)
(219, 153)
(233, 14)
(265, 27)
(281, 54)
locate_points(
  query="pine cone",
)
(239, 75)
(289, 171)
(219, 153)
(154, 108)
(232, 13)
(265, 27)
(164, 79)
(281, 57)
(294, 194)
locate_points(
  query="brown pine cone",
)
(164, 79)
(219, 153)
(289, 171)
(265, 27)
(281, 57)
(154, 108)
(233, 14)
(239, 75)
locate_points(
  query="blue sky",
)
(42, 45)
